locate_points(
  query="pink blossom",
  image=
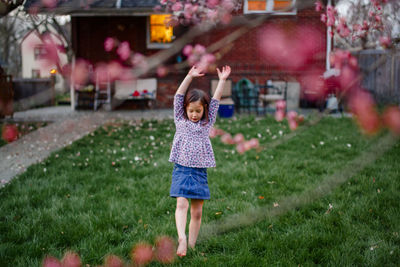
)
(292, 115)
(114, 70)
(324, 18)
(319, 6)
(227, 139)
(241, 148)
(80, 72)
(212, 3)
(391, 119)
(239, 138)
(50, 261)
(139, 60)
(163, 2)
(142, 254)
(348, 79)
(228, 5)
(177, 7)
(362, 105)
(226, 18)
(51, 51)
(187, 50)
(313, 85)
(254, 143)
(165, 250)
(279, 115)
(199, 49)
(385, 41)
(113, 261)
(280, 104)
(124, 51)
(213, 133)
(109, 44)
(293, 125)
(162, 71)
(71, 259)
(49, 3)
(212, 15)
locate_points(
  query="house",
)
(137, 23)
(34, 64)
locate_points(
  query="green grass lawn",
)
(110, 190)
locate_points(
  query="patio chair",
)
(270, 93)
(246, 96)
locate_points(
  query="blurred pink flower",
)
(50, 261)
(228, 5)
(362, 105)
(162, 71)
(254, 143)
(213, 133)
(177, 7)
(293, 125)
(109, 44)
(319, 6)
(313, 85)
(49, 3)
(114, 70)
(80, 72)
(385, 41)
(279, 115)
(240, 148)
(239, 138)
(142, 254)
(71, 259)
(124, 51)
(187, 50)
(227, 139)
(165, 250)
(280, 104)
(391, 119)
(212, 3)
(51, 49)
(113, 261)
(199, 49)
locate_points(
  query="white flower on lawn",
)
(130, 161)
(151, 137)
(137, 158)
(45, 170)
(274, 137)
(280, 132)
(259, 135)
(155, 164)
(312, 145)
(348, 145)
(321, 143)
(123, 149)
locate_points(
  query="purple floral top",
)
(192, 146)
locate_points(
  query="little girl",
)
(192, 153)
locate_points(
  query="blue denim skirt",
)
(189, 182)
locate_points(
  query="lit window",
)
(159, 35)
(278, 7)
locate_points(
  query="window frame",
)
(246, 11)
(151, 45)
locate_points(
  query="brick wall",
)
(244, 57)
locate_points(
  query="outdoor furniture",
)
(246, 96)
(226, 104)
(270, 93)
(141, 91)
(102, 92)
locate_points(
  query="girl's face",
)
(195, 111)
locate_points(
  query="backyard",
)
(108, 191)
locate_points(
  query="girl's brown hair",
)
(196, 95)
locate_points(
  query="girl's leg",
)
(196, 210)
(182, 205)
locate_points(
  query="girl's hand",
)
(195, 72)
(226, 70)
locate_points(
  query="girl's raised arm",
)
(223, 75)
(193, 72)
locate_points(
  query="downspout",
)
(118, 4)
(71, 86)
(328, 43)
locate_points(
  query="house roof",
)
(96, 7)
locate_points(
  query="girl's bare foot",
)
(182, 247)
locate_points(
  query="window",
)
(159, 35)
(35, 73)
(39, 52)
(277, 7)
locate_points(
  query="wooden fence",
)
(381, 71)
